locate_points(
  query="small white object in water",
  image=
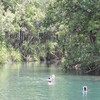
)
(51, 79)
(85, 89)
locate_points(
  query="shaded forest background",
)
(66, 31)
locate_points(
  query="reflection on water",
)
(29, 82)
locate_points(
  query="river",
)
(29, 82)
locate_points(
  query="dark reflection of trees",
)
(53, 62)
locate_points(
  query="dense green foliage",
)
(77, 26)
(66, 30)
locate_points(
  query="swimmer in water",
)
(51, 79)
(85, 89)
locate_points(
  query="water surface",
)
(29, 82)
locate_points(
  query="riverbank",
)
(10, 55)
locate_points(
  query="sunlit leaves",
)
(8, 21)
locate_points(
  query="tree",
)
(77, 25)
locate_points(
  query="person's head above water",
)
(84, 88)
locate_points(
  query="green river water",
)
(29, 82)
